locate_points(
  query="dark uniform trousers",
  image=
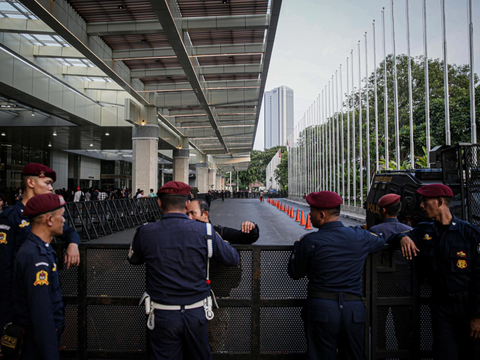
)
(329, 322)
(174, 327)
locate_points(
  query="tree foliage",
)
(258, 164)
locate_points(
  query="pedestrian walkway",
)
(276, 228)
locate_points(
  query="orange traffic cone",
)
(292, 213)
(288, 211)
(302, 222)
(298, 216)
(309, 224)
(285, 209)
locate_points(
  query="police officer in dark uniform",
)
(175, 251)
(15, 227)
(333, 259)
(36, 287)
(248, 233)
(400, 281)
(447, 251)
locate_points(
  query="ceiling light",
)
(3, 134)
(49, 144)
(54, 132)
(33, 114)
(107, 134)
(91, 144)
(157, 61)
(143, 122)
(230, 57)
(144, 40)
(121, 7)
(225, 1)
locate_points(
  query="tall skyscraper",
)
(278, 116)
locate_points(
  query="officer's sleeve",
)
(223, 252)
(234, 236)
(376, 241)
(70, 236)
(7, 245)
(135, 256)
(412, 234)
(36, 280)
(473, 233)
(298, 262)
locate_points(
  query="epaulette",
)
(7, 211)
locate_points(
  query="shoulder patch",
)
(24, 223)
(41, 263)
(42, 278)
(373, 233)
(3, 238)
(4, 227)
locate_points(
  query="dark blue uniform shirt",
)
(174, 250)
(37, 296)
(333, 257)
(390, 227)
(449, 259)
(14, 229)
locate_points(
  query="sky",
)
(315, 36)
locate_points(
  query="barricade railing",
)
(94, 219)
(260, 307)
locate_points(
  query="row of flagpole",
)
(317, 158)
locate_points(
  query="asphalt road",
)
(276, 228)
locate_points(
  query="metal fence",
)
(461, 172)
(259, 315)
(93, 219)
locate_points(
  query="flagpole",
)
(395, 93)
(427, 84)
(385, 93)
(360, 123)
(448, 139)
(343, 135)
(410, 100)
(323, 142)
(337, 132)
(354, 160)
(348, 135)
(473, 125)
(332, 137)
(367, 120)
(376, 99)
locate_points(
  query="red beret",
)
(388, 199)
(78, 188)
(435, 190)
(39, 170)
(175, 188)
(43, 203)
(324, 199)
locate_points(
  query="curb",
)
(345, 214)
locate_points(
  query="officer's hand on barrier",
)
(247, 226)
(475, 328)
(409, 249)
(72, 255)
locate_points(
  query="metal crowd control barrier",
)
(94, 219)
(260, 307)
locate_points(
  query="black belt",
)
(332, 296)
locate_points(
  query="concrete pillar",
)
(218, 182)
(181, 158)
(202, 177)
(223, 182)
(212, 178)
(145, 157)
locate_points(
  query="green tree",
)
(281, 172)
(258, 164)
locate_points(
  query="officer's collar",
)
(331, 225)
(42, 245)
(391, 220)
(175, 215)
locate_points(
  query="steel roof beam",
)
(57, 52)
(214, 97)
(168, 22)
(233, 22)
(202, 70)
(62, 19)
(209, 85)
(25, 26)
(196, 51)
